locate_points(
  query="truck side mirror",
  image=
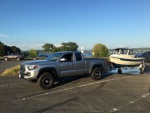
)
(63, 60)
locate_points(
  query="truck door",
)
(67, 65)
(80, 64)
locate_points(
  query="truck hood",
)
(37, 62)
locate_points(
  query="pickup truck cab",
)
(62, 64)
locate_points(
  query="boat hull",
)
(125, 62)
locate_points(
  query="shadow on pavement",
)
(76, 79)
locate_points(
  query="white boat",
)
(124, 57)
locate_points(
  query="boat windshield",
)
(54, 56)
(123, 51)
(130, 52)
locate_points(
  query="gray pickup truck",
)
(62, 64)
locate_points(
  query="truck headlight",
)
(32, 67)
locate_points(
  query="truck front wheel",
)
(46, 80)
(96, 74)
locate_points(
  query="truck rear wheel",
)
(46, 80)
(96, 74)
(18, 58)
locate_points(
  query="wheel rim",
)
(46, 81)
(97, 73)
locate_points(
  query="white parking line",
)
(66, 89)
(11, 84)
(131, 102)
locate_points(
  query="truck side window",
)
(68, 57)
(78, 57)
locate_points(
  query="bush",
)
(100, 51)
(11, 71)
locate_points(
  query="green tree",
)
(100, 50)
(33, 53)
(15, 49)
(2, 49)
(69, 46)
(49, 48)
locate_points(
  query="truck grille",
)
(22, 68)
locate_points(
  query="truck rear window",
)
(78, 57)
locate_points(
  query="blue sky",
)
(116, 23)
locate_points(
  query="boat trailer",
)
(130, 70)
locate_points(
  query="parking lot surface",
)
(113, 93)
(123, 93)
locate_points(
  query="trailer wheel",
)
(96, 74)
(142, 69)
(46, 80)
(119, 71)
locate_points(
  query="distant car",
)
(146, 55)
(42, 56)
(138, 54)
(13, 56)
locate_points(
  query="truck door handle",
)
(72, 63)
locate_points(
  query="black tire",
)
(119, 71)
(96, 74)
(141, 71)
(46, 81)
(142, 68)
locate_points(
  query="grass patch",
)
(1, 58)
(11, 71)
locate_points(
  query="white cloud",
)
(29, 45)
(4, 36)
(14, 36)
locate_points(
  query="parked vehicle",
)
(138, 54)
(42, 56)
(146, 55)
(13, 56)
(62, 64)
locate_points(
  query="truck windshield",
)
(54, 56)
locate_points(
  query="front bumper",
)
(28, 75)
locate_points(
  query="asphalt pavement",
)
(113, 93)
(123, 93)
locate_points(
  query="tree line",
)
(99, 50)
(50, 48)
(69, 46)
(4, 49)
